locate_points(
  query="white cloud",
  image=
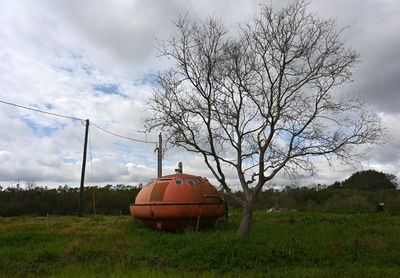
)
(55, 53)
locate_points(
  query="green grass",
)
(291, 244)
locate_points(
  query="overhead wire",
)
(121, 136)
(78, 119)
(41, 111)
(90, 144)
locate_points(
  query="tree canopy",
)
(263, 100)
(370, 180)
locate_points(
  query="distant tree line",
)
(36, 200)
(363, 191)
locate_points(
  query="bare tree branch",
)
(263, 100)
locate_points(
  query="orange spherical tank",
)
(178, 201)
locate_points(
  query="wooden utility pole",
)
(159, 160)
(80, 206)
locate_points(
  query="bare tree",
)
(263, 100)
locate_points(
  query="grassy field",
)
(291, 244)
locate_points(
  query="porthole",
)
(178, 182)
(190, 182)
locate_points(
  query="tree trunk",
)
(245, 225)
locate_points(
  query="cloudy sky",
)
(97, 60)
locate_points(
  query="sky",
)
(98, 60)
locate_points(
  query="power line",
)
(121, 136)
(41, 111)
(77, 119)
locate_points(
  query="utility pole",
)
(80, 205)
(159, 160)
